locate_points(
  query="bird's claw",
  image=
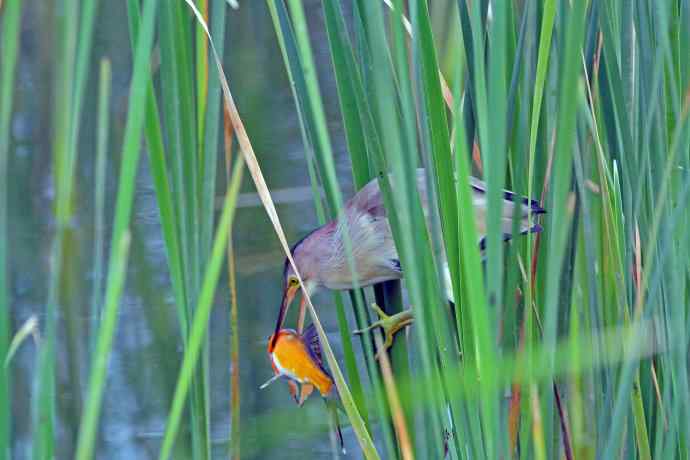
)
(390, 324)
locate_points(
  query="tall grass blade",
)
(288, 46)
(123, 209)
(438, 134)
(545, 34)
(322, 137)
(116, 279)
(349, 104)
(99, 196)
(161, 182)
(361, 432)
(560, 203)
(202, 312)
(201, 79)
(9, 45)
(309, 95)
(235, 427)
(88, 11)
(404, 207)
(43, 411)
(209, 144)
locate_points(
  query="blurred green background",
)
(147, 349)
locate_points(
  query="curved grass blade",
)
(29, 328)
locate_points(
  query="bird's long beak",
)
(288, 295)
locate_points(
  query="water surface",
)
(147, 348)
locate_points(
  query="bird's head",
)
(305, 254)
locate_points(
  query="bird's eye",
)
(293, 282)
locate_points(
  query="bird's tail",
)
(531, 205)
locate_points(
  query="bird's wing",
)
(373, 244)
(479, 201)
(368, 200)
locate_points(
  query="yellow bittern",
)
(322, 260)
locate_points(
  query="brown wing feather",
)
(369, 200)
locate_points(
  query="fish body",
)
(298, 359)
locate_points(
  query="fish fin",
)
(307, 390)
(311, 340)
(294, 390)
(270, 381)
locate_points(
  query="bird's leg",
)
(390, 324)
(302, 314)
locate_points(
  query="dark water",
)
(147, 348)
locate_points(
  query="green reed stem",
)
(99, 195)
(119, 245)
(202, 312)
(9, 46)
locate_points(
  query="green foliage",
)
(120, 240)
(202, 312)
(581, 105)
(9, 45)
(608, 164)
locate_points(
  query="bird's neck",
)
(324, 249)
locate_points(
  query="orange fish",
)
(297, 358)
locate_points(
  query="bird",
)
(322, 260)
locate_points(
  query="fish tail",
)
(332, 406)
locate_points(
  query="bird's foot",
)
(390, 324)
